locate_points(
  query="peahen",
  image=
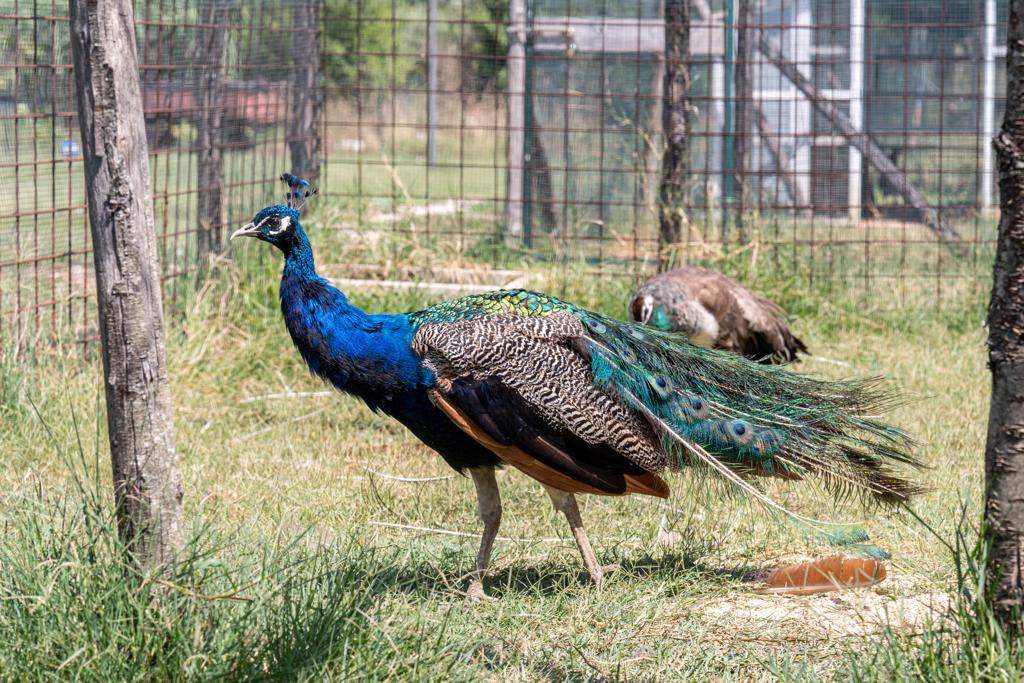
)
(579, 401)
(714, 310)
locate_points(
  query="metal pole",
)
(516, 95)
(856, 161)
(431, 82)
(988, 105)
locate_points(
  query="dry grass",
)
(263, 469)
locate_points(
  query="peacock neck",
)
(300, 281)
(298, 258)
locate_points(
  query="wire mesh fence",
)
(845, 141)
(837, 141)
(217, 81)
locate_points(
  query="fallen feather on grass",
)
(834, 573)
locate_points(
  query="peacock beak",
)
(247, 230)
(647, 309)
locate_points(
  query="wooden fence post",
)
(209, 65)
(304, 134)
(675, 164)
(147, 479)
(516, 144)
(744, 69)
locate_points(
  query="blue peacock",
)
(579, 401)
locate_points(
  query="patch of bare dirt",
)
(827, 615)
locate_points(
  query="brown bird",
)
(714, 310)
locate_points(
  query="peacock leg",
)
(488, 506)
(565, 503)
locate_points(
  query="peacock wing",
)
(769, 325)
(749, 324)
(652, 398)
(508, 375)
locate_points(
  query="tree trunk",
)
(675, 162)
(516, 144)
(209, 65)
(652, 138)
(147, 480)
(1004, 452)
(304, 135)
(538, 173)
(744, 102)
(864, 144)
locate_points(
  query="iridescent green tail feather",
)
(744, 419)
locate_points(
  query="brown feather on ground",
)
(821, 576)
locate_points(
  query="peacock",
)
(577, 400)
(717, 311)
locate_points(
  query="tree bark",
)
(675, 162)
(744, 102)
(515, 95)
(1004, 452)
(304, 135)
(538, 173)
(652, 141)
(147, 479)
(865, 145)
(209, 117)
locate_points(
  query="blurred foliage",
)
(373, 43)
(382, 43)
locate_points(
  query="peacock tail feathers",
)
(744, 419)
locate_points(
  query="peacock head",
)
(278, 225)
(647, 310)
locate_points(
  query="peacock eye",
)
(275, 222)
(740, 430)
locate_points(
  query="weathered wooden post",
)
(147, 479)
(744, 102)
(304, 129)
(432, 83)
(1004, 452)
(209, 65)
(516, 144)
(675, 164)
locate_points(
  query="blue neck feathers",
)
(298, 256)
(366, 355)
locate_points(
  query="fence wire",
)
(47, 283)
(838, 141)
(842, 142)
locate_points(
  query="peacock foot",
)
(475, 593)
(599, 571)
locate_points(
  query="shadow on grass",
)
(678, 572)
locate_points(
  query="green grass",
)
(286, 500)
